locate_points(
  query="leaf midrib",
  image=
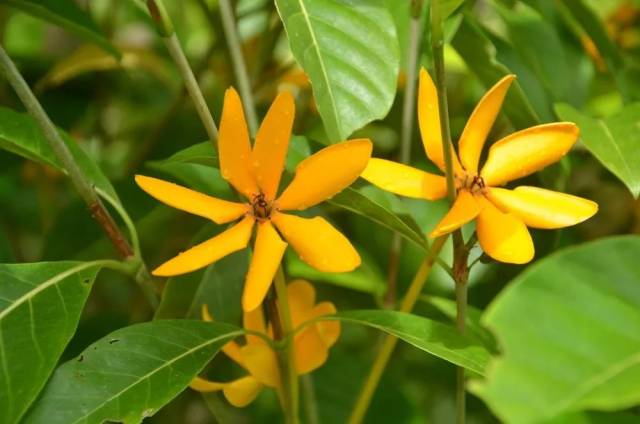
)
(48, 283)
(146, 377)
(316, 49)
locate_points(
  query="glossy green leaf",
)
(200, 153)
(569, 328)
(614, 141)
(472, 322)
(443, 341)
(350, 52)
(131, 373)
(40, 305)
(20, 134)
(357, 202)
(67, 14)
(479, 53)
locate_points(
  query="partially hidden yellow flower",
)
(310, 345)
(501, 215)
(255, 173)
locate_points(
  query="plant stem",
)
(79, 180)
(239, 66)
(190, 82)
(406, 133)
(460, 252)
(83, 186)
(389, 343)
(311, 406)
(288, 373)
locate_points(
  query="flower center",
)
(261, 206)
(473, 183)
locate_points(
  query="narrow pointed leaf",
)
(40, 305)
(441, 340)
(131, 373)
(350, 52)
(357, 202)
(569, 330)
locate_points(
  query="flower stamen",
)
(261, 207)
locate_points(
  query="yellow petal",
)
(234, 147)
(503, 236)
(254, 321)
(464, 209)
(429, 121)
(329, 330)
(301, 296)
(231, 349)
(261, 361)
(267, 255)
(326, 173)
(176, 196)
(527, 151)
(272, 141)
(404, 180)
(243, 391)
(480, 122)
(318, 243)
(309, 350)
(206, 253)
(205, 386)
(540, 208)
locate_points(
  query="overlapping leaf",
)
(40, 305)
(131, 373)
(570, 332)
(349, 51)
(443, 341)
(614, 141)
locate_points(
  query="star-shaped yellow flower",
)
(255, 173)
(310, 345)
(501, 215)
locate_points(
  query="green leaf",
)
(219, 286)
(569, 327)
(131, 373)
(472, 322)
(40, 305)
(443, 341)
(200, 153)
(67, 14)
(350, 52)
(480, 56)
(20, 134)
(90, 58)
(357, 202)
(614, 141)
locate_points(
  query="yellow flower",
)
(311, 346)
(255, 173)
(501, 215)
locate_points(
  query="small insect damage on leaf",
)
(112, 341)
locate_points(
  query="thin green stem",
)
(406, 134)
(437, 46)
(81, 183)
(190, 82)
(310, 403)
(460, 253)
(287, 360)
(389, 343)
(239, 67)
